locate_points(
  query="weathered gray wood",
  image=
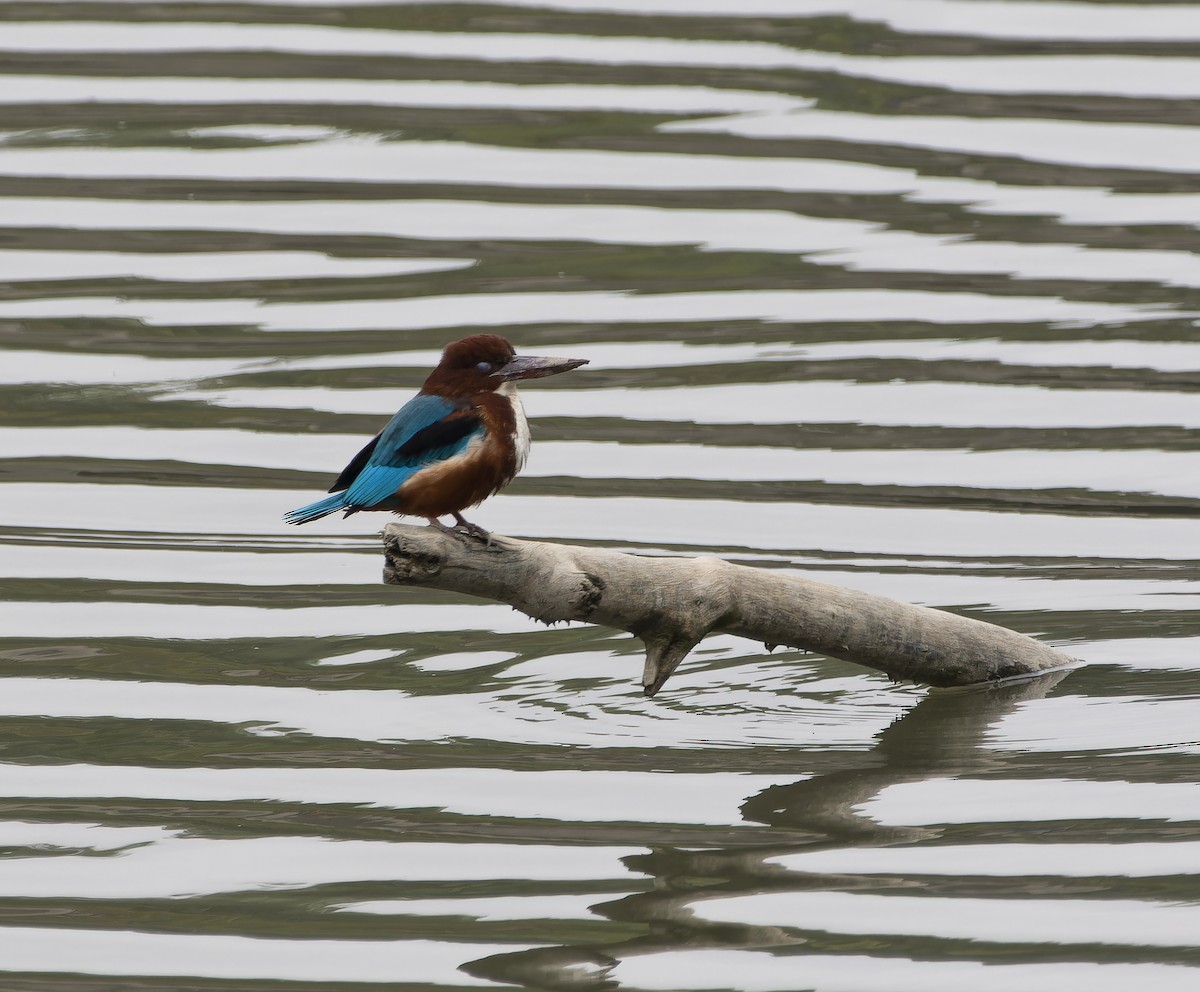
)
(673, 603)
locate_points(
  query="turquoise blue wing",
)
(426, 430)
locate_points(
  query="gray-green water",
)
(897, 294)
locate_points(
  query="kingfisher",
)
(461, 439)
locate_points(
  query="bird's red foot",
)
(473, 529)
(462, 529)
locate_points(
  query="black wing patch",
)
(441, 434)
(357, 463)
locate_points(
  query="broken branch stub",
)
(673, 603)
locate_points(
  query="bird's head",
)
(485, 362)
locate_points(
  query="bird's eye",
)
(484, 367)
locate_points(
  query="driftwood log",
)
(674, 603)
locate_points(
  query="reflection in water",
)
(940, 736)
(899, 295)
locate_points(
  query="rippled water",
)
(898, 294)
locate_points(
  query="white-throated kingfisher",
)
(461, 439)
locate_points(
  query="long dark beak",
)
(530, 367)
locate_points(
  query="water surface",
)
(897, 295)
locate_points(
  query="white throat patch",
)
(521, 432)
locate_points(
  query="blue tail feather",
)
(317, 510)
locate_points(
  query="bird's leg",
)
(434, 522)
(464, 529)
(473, 529)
